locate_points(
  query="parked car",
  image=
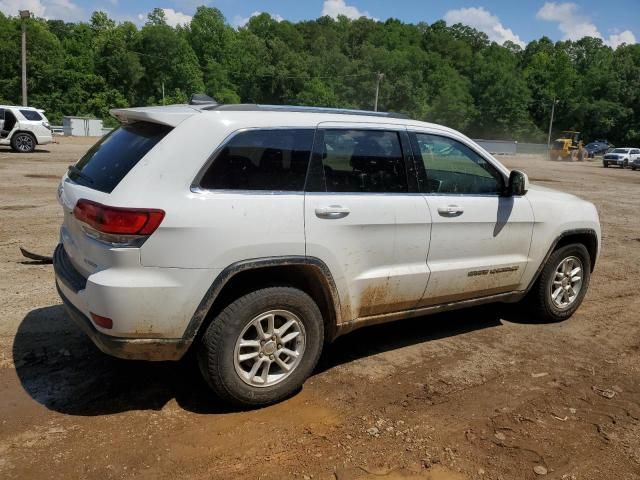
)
(597, 147)
(622, 157)
(23, 128)
(255, 234)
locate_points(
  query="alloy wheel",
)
(269, 348)
(567, 282)
(24, 143)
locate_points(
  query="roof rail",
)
(254, 107)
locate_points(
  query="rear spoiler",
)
(171, 115)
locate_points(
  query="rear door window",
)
(274, 160)
(108, 161)
(368, 161)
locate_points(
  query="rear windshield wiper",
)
(76, 171)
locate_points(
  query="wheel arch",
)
(28, 132)
(587, 237)
(308, 274)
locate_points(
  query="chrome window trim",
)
(221, 191)
(195, 183)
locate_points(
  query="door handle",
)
(451, 211)
(332, 212)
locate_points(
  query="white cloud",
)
(50, 9)
(574, 25)
(12, 7)
(240, 21)
(617, 39)
(333, 8)
(570, 21)
(482, 20)
(176, 18)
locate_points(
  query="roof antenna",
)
(201, 99)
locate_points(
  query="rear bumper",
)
(152, 349)
(44, 139)
(69, 282)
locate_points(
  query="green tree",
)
(450, 74)
(167, 58)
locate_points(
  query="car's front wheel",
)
(23, 143)
(262, 347)
(562, 284)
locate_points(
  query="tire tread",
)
(538, 300)
(213, 339)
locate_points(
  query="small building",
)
(82, 126)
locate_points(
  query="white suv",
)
(256, 233)
(23, 128)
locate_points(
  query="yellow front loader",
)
(568, 147)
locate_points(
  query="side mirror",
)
(518, 183)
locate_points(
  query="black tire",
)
(625, 164)
(217, 349)
(23, 142)
(605, 164)
(539, 298)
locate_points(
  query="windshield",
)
(620, 150)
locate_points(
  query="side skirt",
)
(509, 297)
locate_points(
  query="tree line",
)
(445, 74)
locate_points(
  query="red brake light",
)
(119, 221)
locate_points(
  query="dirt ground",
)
(469, 395)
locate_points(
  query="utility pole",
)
(553, 109)
(375, 105)
(24, 15)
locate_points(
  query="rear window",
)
(31, 115)
(109, 160)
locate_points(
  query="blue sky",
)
(615, 21)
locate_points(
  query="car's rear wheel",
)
(562, 284)
(262, 347)
(23, 143)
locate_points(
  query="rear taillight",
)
(115, 224)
